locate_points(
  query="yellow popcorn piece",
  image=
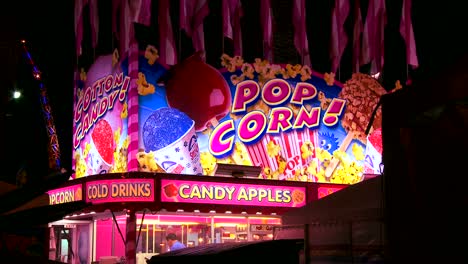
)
(80, 166)
(281, 164)
(208, 163)
(306, 73)
(228, 63)
(151, 54)
(329, 78)
(247, 70)
(115, 57)
(124, 113)
(323, 155)
(147, 162)
(83, 75)
(86, 150)
(358, 151)
(307, 149)
(144, 88)
(120, 153)
(240, 154)
(273, 149)
(237, 79)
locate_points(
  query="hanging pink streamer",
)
(266, 20)
(116, 4)
(130, 11)
(79, 6)
(406, 31)
(232, 14)
(133, 107)
(300, 31)
(167, 48)
(133, 12)
(357, 33)
(339, 39)
(144, 12)
(373, 36)
(192, 13)
(94, 21)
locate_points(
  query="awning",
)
(12, 198)
(361, 200)
(41, 215)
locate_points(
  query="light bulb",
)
(16, 94)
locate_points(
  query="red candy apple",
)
(170, 190)
(200, 91)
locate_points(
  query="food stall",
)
(214, 155)
(146, 207)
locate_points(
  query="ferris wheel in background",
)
(53, 146)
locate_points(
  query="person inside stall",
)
(173, 243)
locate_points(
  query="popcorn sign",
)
(253, 125)
(65, 195)
(294, 124)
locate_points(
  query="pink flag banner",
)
(339, 39)
(144, 12)
(373, 36)
(232, 14)
(115, 16)
(125, 13)
(94, 21)
(300, 31)
(406, 31)
(167, 54)
(79, 6)
(266, 20)
(357, 33)
(192, 13)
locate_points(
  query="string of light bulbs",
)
(53, 148)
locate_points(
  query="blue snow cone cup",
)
(170, 135)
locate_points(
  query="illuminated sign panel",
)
(120, 190)
(324, 191)
(68, 194)
(295, 124)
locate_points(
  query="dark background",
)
(48, 28)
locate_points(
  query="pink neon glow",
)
(324, 191)
(67, 194)
(120, 190)
(104, 238)
(207, 219)
(229, 193)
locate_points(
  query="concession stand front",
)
(131, 213)
(151, 140)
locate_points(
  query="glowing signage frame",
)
(324, 191)
(120, 190)
(67, 194)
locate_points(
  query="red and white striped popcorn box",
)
(259, 156)
(290, 149)
(293, 141)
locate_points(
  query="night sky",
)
(48, 28)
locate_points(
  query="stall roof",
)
(273, 251)
(37, 216)
(362, 200)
